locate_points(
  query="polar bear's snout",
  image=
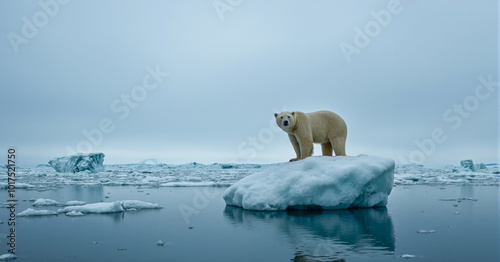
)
(286, 122)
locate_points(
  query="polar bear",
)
(304, 129)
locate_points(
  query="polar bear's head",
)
(286, 120)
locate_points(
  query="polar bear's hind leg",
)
(338, 144)
(327, 149)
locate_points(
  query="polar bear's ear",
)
(293, 113)
(275, 115)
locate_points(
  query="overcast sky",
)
(183, 81)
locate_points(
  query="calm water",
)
(196, 225)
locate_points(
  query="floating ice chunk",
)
(74, 213)
(160, 243)
(425, 231)
(75, 203)
(136, 204)
(97, 208)
(110, 207)
(41, 202)
(32, 212)
(80, 162)
(408, 256)
(7, 257)
(339, 182)
(468, 164)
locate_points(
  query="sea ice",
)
(80, 162)
(32, 212)
(41, 202)
(339, 182)
(408, 256)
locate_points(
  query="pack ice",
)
(79, 162)
(325, 182)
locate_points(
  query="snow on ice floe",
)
(79, 162)
(326, 182)
(32, 212)
(110, 207)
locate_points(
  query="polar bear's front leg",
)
(296, 147)
(306, 147)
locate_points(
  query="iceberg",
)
(79, 162)
(321, 182)
(468, 164)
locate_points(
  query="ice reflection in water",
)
(329, 235)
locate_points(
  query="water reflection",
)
(326, 235)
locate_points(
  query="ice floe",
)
(324, 182)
